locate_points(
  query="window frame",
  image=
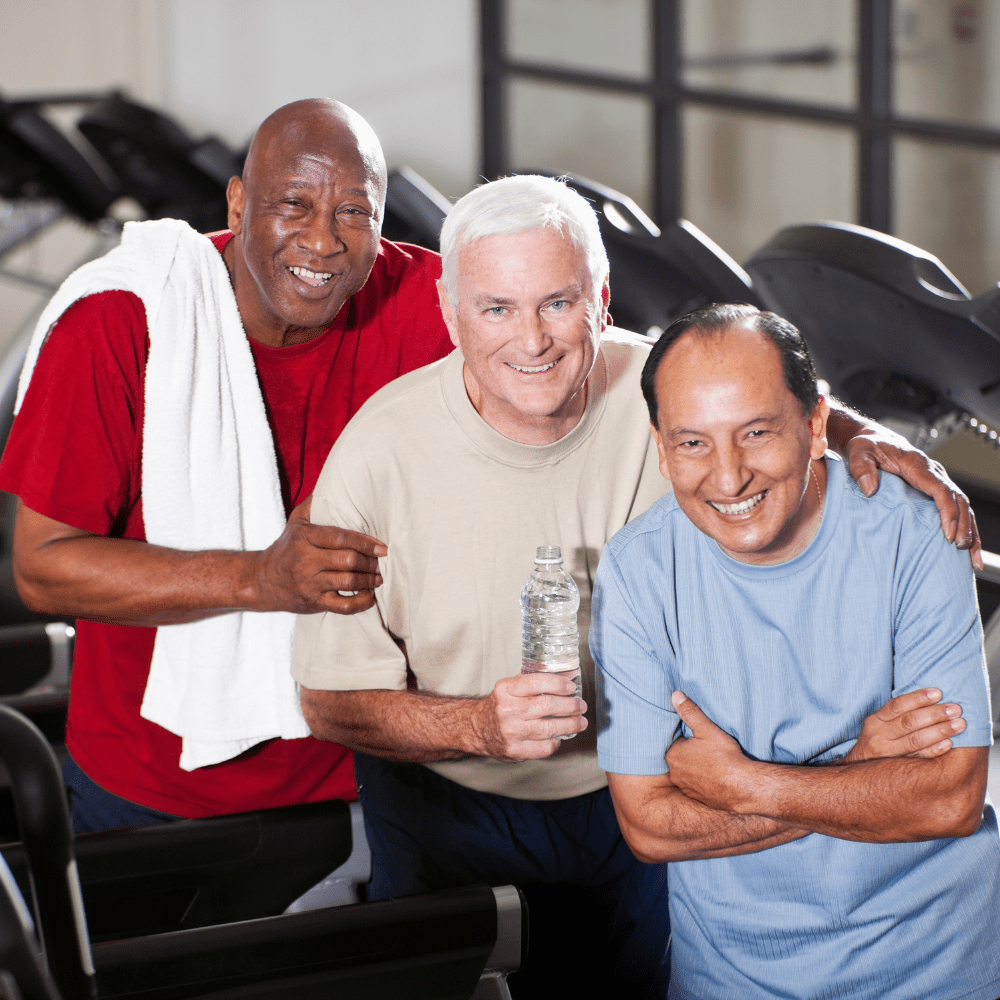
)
(871, 118)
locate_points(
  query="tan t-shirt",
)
(462, 510)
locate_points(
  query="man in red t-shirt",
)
(332, 313)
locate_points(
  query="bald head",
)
(306, 218)
(313, 125)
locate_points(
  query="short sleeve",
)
(74, 452)
(635, 720)
(347, 652)
(938, 636)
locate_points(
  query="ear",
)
(661, 451)
(605, 300)
(817, 428)
(448, 313)
(236, 198)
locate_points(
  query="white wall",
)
(220, 67)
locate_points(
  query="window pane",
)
(571, 130)
(943, 60)
(746, 177)
(760, 47)
(947, 201)
(610, 36)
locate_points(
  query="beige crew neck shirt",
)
(462, 510)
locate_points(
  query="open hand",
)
(910, 725)
(314, 567)
(710, 766)
(876, 448)
(523, 717)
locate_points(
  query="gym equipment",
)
(446, 944)
(890, 328)
(414, 210)
(160, 165)
(658, 276)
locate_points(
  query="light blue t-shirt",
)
(789, 659)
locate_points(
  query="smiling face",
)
(736, 445)
(528, 323)
(307, 217)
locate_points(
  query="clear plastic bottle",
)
(550, 637)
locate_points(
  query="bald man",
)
(331, 313)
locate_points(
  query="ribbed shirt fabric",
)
(462, 510)
(788, 659)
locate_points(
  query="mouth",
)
(739, 508)
(315, 279)
(532, 370)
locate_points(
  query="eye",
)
(495, 311)
(692, 443)
(560, 305)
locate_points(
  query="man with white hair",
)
(533, 432)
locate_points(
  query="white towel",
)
(209, 481)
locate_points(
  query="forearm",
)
(878, 801)
(130, 582)
(396, 725)
(660, 823)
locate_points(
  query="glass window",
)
(943, 64)
(610, 36)
(564, 129)
(798, 49)
(947, 201)
(745, 176)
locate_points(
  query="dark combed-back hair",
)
(800, 376)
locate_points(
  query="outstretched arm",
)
(869, 447)
(877, 801)
(65, 571)
(521, 719)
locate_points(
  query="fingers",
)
(863, 465)
(341, 539)
(345, 603)
(909, 702)
(934, 740)
(967, 532)
(697, 721)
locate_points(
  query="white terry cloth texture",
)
(209, 481)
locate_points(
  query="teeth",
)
(318, 277)
(738, 508)
(532, 371)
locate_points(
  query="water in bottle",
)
(550, 600)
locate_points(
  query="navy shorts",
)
(598, 917)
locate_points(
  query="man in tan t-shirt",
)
(533, 433)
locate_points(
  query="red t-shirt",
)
(75, 455)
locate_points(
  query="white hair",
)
(516, 205)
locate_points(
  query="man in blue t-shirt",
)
(743, 628)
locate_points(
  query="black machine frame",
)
(871, 118)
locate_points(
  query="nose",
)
(534, 335)
(731, 473)
(320, 234)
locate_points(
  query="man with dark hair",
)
(187, 393)
(743, 628)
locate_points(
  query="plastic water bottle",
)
(550, 637)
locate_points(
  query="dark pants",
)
(598, 917)
(95, 809)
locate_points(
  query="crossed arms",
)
(717, 802)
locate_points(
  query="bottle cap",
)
(547, 555)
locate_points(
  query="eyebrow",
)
(298, 183)
(502, 300)
(763, 419)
